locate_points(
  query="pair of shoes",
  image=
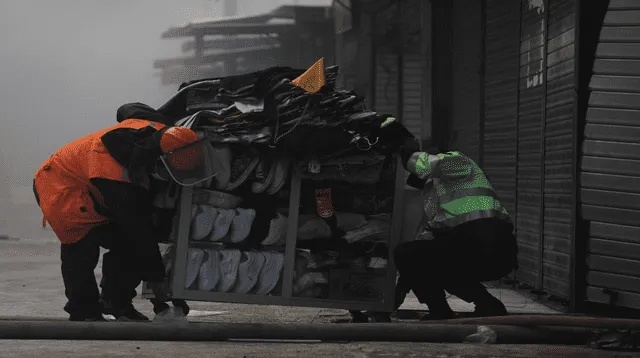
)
(215, 224)
(231, 270)
(271, 176)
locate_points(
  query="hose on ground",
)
(385, 332)
(551, 321)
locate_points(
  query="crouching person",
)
(96, 192)
(472, 241)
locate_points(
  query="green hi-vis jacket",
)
(457, 190)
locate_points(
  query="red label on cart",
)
(324, 203)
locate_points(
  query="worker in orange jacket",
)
(97, 191)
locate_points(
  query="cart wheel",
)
(359, 317)
(381, 317)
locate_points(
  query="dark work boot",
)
(84, 313)
(489, 307)
(83, 318)
(380, 317)
(130, 314)
(159, 306)
(125, 313)
(436, 301)
(438, 310)
(441, 314)
(359, 317)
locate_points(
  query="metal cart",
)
(386, 277)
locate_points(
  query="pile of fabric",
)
(361, 248)
(365, 238)
(294, 111)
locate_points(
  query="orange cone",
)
(313, 79)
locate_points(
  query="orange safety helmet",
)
(175, 138)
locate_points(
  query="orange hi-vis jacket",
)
(63, 182)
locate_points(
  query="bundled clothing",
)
(94, 192)
(266, 107)
(473, 238)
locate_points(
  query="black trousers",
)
(119, 272)
(457, 261)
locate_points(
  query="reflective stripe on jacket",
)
(64, 187)
(456, 191)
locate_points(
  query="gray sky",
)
(67, 65)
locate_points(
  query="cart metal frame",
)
(177, 277)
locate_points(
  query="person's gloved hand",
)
(392, 134)
(397, 138)
(415, 182)
(409, 147)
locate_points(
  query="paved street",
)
(258, 350)
(31, 287)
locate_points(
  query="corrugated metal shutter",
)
(531, 114)
(412, 115)
(530, 131)
(558, 152)
(530, 136)
(413, 67)
(610, 178)
(500, 136)
(386, 100)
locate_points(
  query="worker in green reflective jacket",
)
(472, 237)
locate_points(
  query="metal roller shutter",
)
(500, 102)
(528, 142)
(400, 67)
(560, 116)
(610, 168)
(531, 116)
(386, 100)
(386, 90)
(413, 68)
(412, 115)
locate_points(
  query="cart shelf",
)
(339, 277)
